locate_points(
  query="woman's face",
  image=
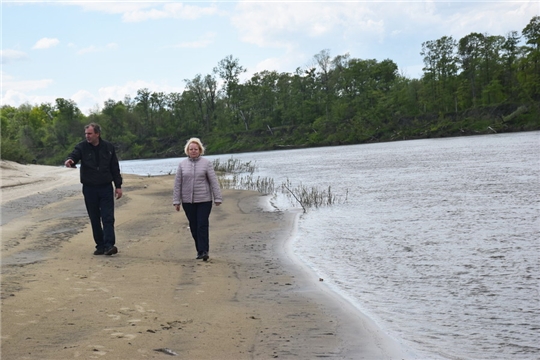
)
(193, 150)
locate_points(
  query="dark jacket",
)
(97, 171)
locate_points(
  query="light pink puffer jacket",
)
(196, 182)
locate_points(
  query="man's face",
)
(91, 136)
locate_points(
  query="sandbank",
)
(251, 300)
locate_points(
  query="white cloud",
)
(183, 11)
(170, 11)
(457, 19)
(86, 101)
(412, 71)
(13, 98)
(94, 49)
(24, 85)
(89, 102)
(266, 24)
(492, 18)
(202, 42)
(130, 88)
(280, 64)
(138, 16)
(145, 11)
(270, 64)
(17, 98)
(89, 49)
(46, 43)
(9, 56)
(270, 24)
(114, 7)
(16, 92)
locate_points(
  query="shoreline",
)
(362, 338)
(253, 299)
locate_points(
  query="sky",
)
(94, 51)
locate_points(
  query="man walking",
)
(99, 169)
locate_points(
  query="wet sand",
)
(251, 300)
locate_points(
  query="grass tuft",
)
(229, 175)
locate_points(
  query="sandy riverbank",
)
(249, 301)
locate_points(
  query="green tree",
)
(204, 94)
(441, 66)
(470, 52)
(144, 125)
(492, 67)
(65, 130)
(11, 125)
(530, 64)
(323, 62)
(510, 53)
(229, 70)
(160, 115)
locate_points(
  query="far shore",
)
(252, 300)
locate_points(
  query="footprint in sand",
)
(141, 309)
(96, 350)
(27, 323)
(120, 335)
(124, 311)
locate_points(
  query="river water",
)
(437, 240)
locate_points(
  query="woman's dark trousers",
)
(198, 215)
(99, 201)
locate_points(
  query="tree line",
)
(480, 84)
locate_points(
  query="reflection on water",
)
(438, 241)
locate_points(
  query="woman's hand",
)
(177, 206)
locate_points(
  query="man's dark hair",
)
(96, 127)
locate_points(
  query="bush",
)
(11, 150)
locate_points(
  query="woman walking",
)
(195, 187)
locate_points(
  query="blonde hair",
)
(196, 141)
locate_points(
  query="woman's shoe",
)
(205, 256)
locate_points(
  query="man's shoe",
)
(205, 256)
(113, 250)
(99, 252)
(199, 256)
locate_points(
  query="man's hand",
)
(70, 163)
(118, 193)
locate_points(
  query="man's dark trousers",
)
(99, 201)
